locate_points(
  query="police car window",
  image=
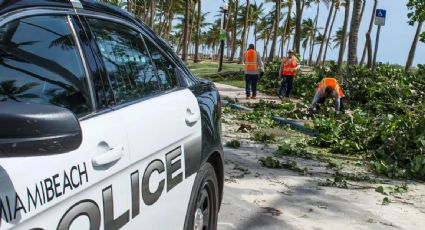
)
(166, 69)
(127, 62)
(40, 63)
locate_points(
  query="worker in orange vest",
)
(288, 70)
(329, 88)
(253, 66)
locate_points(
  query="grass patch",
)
(206, 68)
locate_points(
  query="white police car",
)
(101, 125)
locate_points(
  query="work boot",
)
(247, 97)
(253, 97)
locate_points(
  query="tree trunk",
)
(169, 25)
(255, 35)
(247, 35)
(198, 32)
(282, 42)
(276, 32)
(297, 36)
(354, 33)
(185, 31)
(344, 36)
(266, 45)
(235, 31)
(369, 50)
(153, 12)
(310, 59)
(329, 37)
(287, 30)
(412, 51)
(368, 43)
(322, 45)
(244, 34)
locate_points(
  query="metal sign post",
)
(379, 21)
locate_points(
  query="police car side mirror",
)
(35, 129)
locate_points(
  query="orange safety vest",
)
(289, 67)
(333, 84)
(251, 62)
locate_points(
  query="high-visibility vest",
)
(251, 61)
(290, 66)
(333, 84)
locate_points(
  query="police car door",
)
(42, 63)
(162, 121)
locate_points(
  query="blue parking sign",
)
(380, 17)
(381, 13)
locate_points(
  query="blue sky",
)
(396, 35)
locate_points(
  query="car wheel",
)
(203, 206)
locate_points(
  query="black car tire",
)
(204, 198)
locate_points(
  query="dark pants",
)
(251, 83)
(322, 101)
(286, 86)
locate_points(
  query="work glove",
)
(261, 74)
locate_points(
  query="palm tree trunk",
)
(185, 31)
(368, 43)
(322, 45)
(153, 12)
(297, 36)
(255, 36)
(276, 31)
(329, 37)
(412, 51)
(247, 34)
(235, 28)
(344, 36)
(198, 32)
(354, 33)
(244, 34)
(305, 49)
(310, 59)
(266, 46)
(287, 35)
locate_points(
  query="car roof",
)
(8, 6)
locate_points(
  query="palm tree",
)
(198, 31)
(328, 37)
(244, 34)
(256, 13)
(307, 33)
(267, 25)
(299, 6)
(338, 38)
(416, 14)
(235, 28)
(275, 29)
(354, 32)
(322, 45)
(289, 26)
(186, 31)
(344, 35)
(368, 43)
(412, 51)
(316, 20)
(152, 14)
